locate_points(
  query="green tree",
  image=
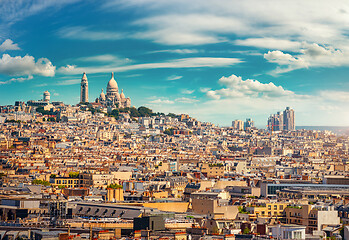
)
(41, 182)
(115, 113)
(242, 210)
(114, 186)
(145, 112)
(73, 174)
(169, 131)
(172, 115)
(246, 231)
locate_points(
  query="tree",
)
(73, 174)
(246, 231)
(41, 182)
(242, 210)
(172, 115)
(169, 131)
(114, 186)
(145, 112)
(115, 113)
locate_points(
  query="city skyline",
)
(214, 61)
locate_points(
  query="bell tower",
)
(84, 89)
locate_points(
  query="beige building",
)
(115, 194)
(315, 218)
(212, 169)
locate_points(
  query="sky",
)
(215, 60)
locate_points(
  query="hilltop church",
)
(113, 99)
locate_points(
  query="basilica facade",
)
(113, 98)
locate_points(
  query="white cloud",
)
(19, 66)
(213, 94)
(189, 29)
(235, 87)
(311, 55)
(204, 89)
(174, 77)
(69, 82)
(269, 43)
(83, 33)
(336, 96)
(8, 45)
(179, 51)
(55, 94)
(187, 91)
(162, 101)
(20, 79)
(198, 62)
(102, 58)
(186, 100)
(68, 69)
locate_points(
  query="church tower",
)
(84, 89)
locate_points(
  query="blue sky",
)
(215, 60)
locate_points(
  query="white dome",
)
(112, 85)
(122, 95)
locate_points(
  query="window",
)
(281, 207)
(275, 207)
(297, 235)
(269, 207)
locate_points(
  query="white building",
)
(288, 231)
(113, 99)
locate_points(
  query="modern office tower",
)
(46, 97)
(248, 124)
(282, 121)
(84, 89)
(275, 122)
(238, 125)
(288, 123)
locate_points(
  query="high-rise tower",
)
(289, 124)
(84, 89)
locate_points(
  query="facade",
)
(212, 170)
(46, 97)
(315, 218)
(276, 122)
(267, 209)
(289, 119)
(113, 99)
(115, 195)
(238, 125)
(288, 231)
(84, 89)
(248, 124)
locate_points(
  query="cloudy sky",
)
(215, 60)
